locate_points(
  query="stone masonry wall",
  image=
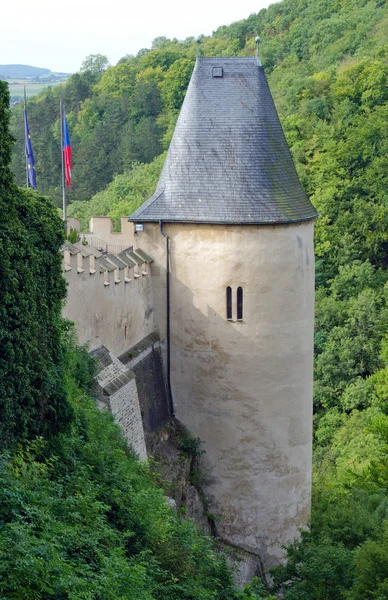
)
(124, 405)
(145, 361)
(118, 393)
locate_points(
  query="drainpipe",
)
(168, 319)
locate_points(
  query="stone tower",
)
(231, 221)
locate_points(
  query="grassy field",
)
(17, 90)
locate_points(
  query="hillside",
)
(327, 66)
(126, 114)
(33, 79)
(27, 72)
(22, 72)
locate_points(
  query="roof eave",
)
(198, 222)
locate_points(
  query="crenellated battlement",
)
(101, 233)
(125, 267)
(109, 295)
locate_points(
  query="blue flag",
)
(29, 153)
(66, 149)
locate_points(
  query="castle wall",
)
(145, 361)
(244, 387)
(118, 393)
(109, 306)
(124, 406)
(72, 223)
(101, 234)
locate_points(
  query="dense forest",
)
(326, 62)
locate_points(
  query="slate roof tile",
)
(228, 160)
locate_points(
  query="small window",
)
(229, 303)
(239, 304)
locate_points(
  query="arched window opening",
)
(229, 303)
(239, 304)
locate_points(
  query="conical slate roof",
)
(228, 160)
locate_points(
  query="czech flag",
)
(66, 151)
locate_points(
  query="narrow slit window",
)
(229, 303)
(239, 304)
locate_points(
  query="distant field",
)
(17, 91)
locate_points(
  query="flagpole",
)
(63, 165)
(25, 133)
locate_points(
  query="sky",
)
(59, 35)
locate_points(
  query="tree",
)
(95, 63)
(175, 83)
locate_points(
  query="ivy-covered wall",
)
(32, 290)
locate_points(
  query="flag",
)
(66, 149)
(29, 153)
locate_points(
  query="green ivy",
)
(32, 290)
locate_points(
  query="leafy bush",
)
(73, 236)
(316, 571)
(82, 518)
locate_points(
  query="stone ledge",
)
(137, 349)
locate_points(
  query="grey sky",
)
(46, 33)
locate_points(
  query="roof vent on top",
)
(218, 72)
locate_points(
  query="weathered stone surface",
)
(245, 565)
(171, 502)
(145, 360)
(170, 462)
(176, 469)
(112, 307)
(195, 508)
(117, 391)
(244, 387)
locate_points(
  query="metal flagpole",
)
(25, 134)
(63, 165)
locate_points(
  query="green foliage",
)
(124, 195)
(32, 292)
(33, 396)
(344, 553)
(95, 63)
(5, 137)
(118, 117)
(188, 443)
(255, 590)
(82, 518)
(351, 325)
(316, 571)
(72, 236)
(175, 82)
(371, 569)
